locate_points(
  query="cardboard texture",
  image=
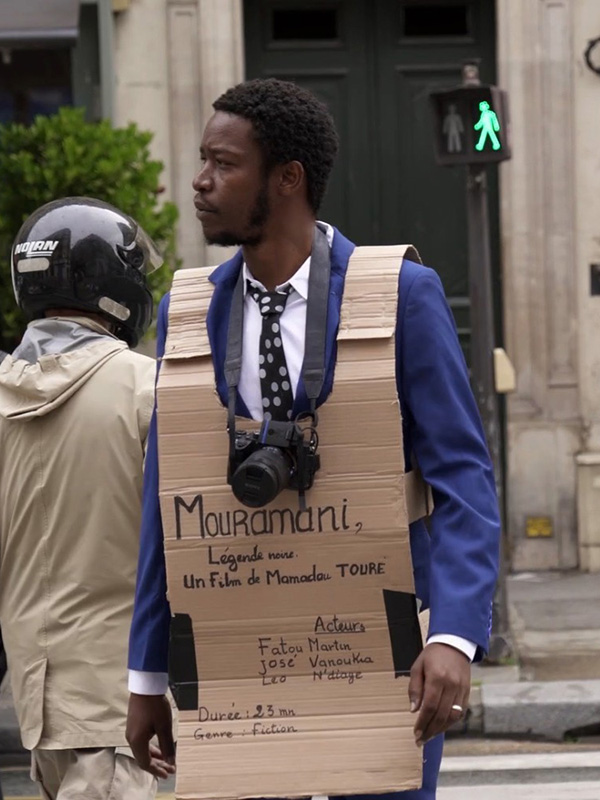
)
(294, 631)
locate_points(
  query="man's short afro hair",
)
(290, 125)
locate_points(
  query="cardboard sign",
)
(294, 630)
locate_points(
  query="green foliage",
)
(64, 156)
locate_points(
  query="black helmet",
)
(85, 254)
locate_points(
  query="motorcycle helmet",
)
(85, 254)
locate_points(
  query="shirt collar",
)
(299, 280)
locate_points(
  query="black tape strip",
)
(183, 671)
(405, 632)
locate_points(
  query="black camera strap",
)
(313, 368)
(233, 356)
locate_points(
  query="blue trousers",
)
(432, 757)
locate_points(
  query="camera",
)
(281, 455)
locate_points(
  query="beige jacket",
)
(72, 433)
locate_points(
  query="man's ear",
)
(291, 178)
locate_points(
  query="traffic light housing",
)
(471, 125)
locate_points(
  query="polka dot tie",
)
(276, 390)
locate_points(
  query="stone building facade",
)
(173, 57)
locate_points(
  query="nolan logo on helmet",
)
(37, 248)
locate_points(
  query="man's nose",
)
(202, 181)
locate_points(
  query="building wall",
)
(173, 58)
(549, 220)
(536, 66)
(550, 223)
(586, 26)
(141, 66)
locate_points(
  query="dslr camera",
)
(281, 455)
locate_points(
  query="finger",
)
(429, 707)
(460, 706)
(158, 760)
(459, 709)
(456, 713)
(157, 756)
(465, 697)
(157, 769)
(167, 745)
(445, 715)
(415, 685)
(141, 753)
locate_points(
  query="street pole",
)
(482, 365)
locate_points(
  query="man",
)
(2, 653)
(266, 155)
(75, 405)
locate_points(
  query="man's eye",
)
(220, 163)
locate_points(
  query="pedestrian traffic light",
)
(471, 125)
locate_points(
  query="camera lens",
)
(261, 477)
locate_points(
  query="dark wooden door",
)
(323, 46)
(374, 63)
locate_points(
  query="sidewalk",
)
(555, 620)
(554, 686)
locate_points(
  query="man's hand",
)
(150, 715)
(440, 678)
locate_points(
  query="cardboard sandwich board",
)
(294, 631)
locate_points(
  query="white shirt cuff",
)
(464, 645)
(148, 682)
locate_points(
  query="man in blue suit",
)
(266, 156)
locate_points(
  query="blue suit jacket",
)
(456, 561)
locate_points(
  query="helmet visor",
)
(152, 256)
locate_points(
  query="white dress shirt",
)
(293, 328)
(292, 323)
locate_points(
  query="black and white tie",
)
(275, 386)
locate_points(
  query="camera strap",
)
(313, 368)
(233, 356)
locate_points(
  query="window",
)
(446, 20)
(304, 24)
(35, 81)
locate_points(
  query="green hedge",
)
(62, 156)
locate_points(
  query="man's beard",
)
(254, 230)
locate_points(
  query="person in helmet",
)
(75, 407)
(2, 653)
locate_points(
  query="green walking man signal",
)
(470, 125)
(488, 125)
